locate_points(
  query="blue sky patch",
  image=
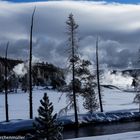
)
(119, 1)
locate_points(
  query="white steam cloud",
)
(22, 69)
(117, 79)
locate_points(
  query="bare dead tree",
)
(30, 67)
(6, 85)
(98, 76)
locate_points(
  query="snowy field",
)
(121, 136)
(114, 100)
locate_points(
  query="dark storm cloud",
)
(117, 25)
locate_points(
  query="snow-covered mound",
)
(15, 126)
(101, 117)
(24, 125)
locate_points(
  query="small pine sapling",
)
(46, 126)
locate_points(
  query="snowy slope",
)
(16, 126)
(118, 105)
(121, 136)
(114, 100)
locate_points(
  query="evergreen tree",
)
(88, 86)
(72, 42)
(46, 124)
(90, 99)
(81, 83)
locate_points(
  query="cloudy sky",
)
(116, 24)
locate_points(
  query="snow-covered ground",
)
(118, 100)
(121, 136)
(114, 100)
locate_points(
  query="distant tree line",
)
(43, 74)
(11, 77)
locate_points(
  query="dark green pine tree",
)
(45, 124)
(88, 86)
(90, 98)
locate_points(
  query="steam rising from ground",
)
(108, 78)
(22, 69)
(117, 79)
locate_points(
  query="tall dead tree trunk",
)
(73, 77)
(6, 85)
(30, 68)
(98, 77)
(72, 27)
